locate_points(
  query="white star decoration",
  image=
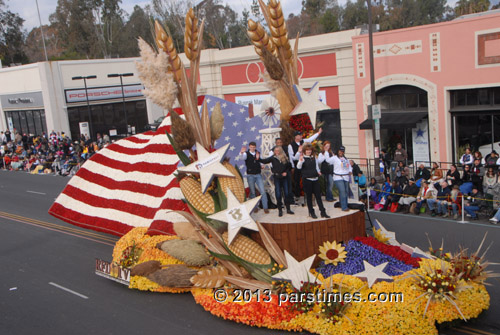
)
(230, 114)
(297, 272)
(373, 273)
(389, 234)
(240, 133)
(208, 165)
(242, 110)
(227, 138)
(415, 251)
(253, 128)
(231, 148)
(247, 119)
(309, 102)
(224, 105)
(237, 215)
(235, 123)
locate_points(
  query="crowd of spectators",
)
(54, 153)
(475, 186)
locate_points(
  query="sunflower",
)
(332, 253)
(377, 233)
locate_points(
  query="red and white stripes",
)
(130, 183)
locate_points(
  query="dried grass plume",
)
(182, 132)
(153, 72)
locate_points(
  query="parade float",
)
(189, 227)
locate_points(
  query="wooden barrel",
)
(302, 239)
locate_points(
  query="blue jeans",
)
(329, 186)
(466, 188)
(442, 207)
(471, 210)
(431, 203)
(278, 184)
(343, 187)
(252, 180)
(454, 207)
(497, 215)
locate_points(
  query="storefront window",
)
(29, 122)
(109, 116)
(476, 131)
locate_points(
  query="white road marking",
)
(36, 192)
(68, 290)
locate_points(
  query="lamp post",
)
(84, 78)
(121, 75)
(376, 152)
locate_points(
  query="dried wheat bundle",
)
(182, 132)
(191, 36)
(260, 39)
(287, 132)
(154, 73)
(165, 43)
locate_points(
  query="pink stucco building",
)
(445, 75)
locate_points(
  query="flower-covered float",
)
(234, 266)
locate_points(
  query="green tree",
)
(138, 25)
(464, 7)
(11, 37)
(354, 14)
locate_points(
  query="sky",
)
(27, 8)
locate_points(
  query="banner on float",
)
(420, 137)
(112, 271)
(258, 99)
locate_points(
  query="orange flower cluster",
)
(270, 314)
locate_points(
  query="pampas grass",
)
(154, 74)
(287, 133)
(182, 132)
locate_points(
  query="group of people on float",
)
(479, 184)
(46, 153)
(295, 164)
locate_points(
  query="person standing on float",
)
(310, 178)
(254, 178)
(294, 150)
(341, 171)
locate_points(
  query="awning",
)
(395, 120)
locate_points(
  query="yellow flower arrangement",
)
(332, 252)
(379, 236)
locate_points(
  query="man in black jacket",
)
(251, 158)
(422, 173)
(410, 193)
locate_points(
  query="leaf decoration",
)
(182, 156)
(271, 245)
(210, 277)
(249, 284)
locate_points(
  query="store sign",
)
(258, 99)
(420, 137)
(103, 93)
(84, 129)
(112, 271)
(22, 100)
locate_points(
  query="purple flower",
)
(357, 252)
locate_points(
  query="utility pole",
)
(375, 123)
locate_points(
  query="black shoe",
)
(324, 215)
(289, 211)
(313, 215)
(280, 212)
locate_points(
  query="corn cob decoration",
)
(235, 184)
(260, 39)
(191, 36)
(248, 249)
(191, 189)
(165, 42)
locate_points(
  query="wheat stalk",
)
(165, 43)
(191, 36)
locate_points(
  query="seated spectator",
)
(478, 155)
(383, 194)
(16, 163)
(402, 174)
(436, 173)
(491, 160)
(425, 193)
(455, 200)
(466, 186)
(374, 189)
(491, 187)
(477, 174)
(393, 197)
(355, 169)
(474, 203)
(441, 200)
(453, 176)
(467, 159)
(410, 192)
(361, 181)
(421, 174)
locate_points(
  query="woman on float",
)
(341, 171)
(280, 167)
(310, 175)
(327, 169)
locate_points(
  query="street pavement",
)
(48, 285)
